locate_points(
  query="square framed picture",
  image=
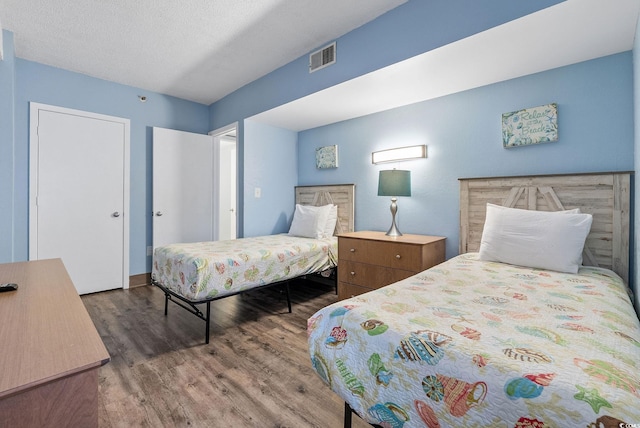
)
(327, 157)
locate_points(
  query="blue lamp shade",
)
(394, 183)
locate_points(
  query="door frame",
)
(217, 134)
(34, 109)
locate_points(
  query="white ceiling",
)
(199, 50)
(564, 34)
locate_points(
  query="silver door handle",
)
(159, 214)
(115, 214)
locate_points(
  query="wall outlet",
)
(149, 250)
(257, 192)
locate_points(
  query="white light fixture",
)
(399, 154)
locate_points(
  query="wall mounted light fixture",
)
(399, 154)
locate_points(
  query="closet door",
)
(182, 187)
(79, 197)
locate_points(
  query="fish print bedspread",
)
(205, 270)
(470, 343)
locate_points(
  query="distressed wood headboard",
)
(341, 195)
(606, 196)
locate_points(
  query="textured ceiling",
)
(199, 50)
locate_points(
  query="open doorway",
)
(225, 182)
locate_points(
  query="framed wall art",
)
(327, 157)
(530, 126)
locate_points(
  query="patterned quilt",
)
(470, 343)
(204, 270)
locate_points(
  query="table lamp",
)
(394, 183)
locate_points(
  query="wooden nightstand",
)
(370, 260)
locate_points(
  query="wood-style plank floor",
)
(255, 372)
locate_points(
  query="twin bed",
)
(476, 342)
(470, 342)
(193, 274)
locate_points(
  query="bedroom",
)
(599, 138)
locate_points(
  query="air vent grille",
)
(322, 58)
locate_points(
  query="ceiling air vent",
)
(322, 58)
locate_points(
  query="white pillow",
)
(332, 219)
(309, 221)
(537, 239)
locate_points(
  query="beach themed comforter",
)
(205, 270)
(472, 343)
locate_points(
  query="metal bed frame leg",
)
(166, 304)
(288, 296)
(347, 415)
(208, 322)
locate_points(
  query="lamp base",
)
(393, 230)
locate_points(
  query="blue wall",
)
(39, 83)
(7, 77)
(408, 30)
(413, 28)
(271, 166)
(463, 135)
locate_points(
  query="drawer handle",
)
(353, 250)
(398, 256)
(353, 273)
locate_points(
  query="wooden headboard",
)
(341, 195)
(606, 196)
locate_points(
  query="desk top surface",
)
(45, 330)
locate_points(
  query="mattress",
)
(207, 270)
(473, 343)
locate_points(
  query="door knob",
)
(159, 214)
(115, 214)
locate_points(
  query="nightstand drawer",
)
(370, 276)
(395, 255)
(352, 249)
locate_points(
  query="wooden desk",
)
(50, 351)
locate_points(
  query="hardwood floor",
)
(255, 372)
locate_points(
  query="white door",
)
(79, 195)
(182, 187)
